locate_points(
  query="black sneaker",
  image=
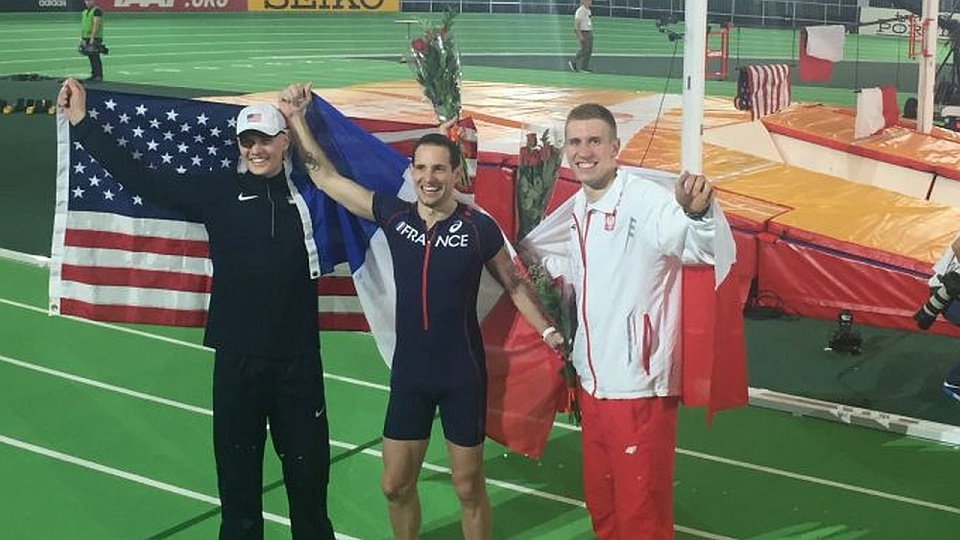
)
(951, 383)
(572, 66)
(951, 389)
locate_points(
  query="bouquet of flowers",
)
(559, 307)
(435, 62)
(537, 167)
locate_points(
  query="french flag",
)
(525, 384)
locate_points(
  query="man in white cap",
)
(262, 318)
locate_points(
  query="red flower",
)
(544, 152)
(529, 157)
(418, 45)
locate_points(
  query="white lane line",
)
(824, 482)
(198, 496)
(106, 386)
(691, 453)
(143, 480)
(357, 382)
(136, 478)
(798, 476)
(207, 412)
(139, 333)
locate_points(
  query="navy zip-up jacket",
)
(263, 299)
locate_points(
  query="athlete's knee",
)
(470, 487)
(396, 489)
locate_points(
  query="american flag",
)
(769, 89)
(119, 257)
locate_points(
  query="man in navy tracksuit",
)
(262, 318)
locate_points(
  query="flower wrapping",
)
(559, 305)
(464, 132)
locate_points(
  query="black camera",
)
(87, 49)
(940, 298)
(846, 338)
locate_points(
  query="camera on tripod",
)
(846, 338)
(940, 299)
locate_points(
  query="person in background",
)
(439, 248)
(262, 319)
(91, 38)
(629, 238)
(583, 27)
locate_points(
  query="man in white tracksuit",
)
(629, 238)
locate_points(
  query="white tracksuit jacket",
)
(626, 251)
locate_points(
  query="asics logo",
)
(241, 197)
(456, 226)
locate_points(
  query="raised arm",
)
(72, 98)
(357, 199)
(523, 297)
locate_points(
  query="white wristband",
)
(547, 331)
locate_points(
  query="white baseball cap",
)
(261, 117)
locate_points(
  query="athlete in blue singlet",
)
(439, 359)
(439, 248)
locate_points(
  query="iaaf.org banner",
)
(892, 22)
(40, 5)
(339, 6)
(172, 6)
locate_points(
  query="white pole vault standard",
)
(928, 65)
(694, 64)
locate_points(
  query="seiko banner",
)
(41, 5)
(340, 6)
(171, 6)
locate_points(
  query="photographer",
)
(944, 292)
(91, 38)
